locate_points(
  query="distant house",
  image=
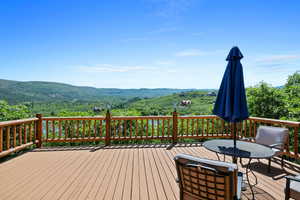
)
(212, 94)
(97, 109)
(185, 102)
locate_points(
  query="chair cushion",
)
(295, 188)
(268, 135)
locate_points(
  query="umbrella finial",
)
(234, 54)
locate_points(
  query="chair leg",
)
(269, 166)
(287, 190)
(181, 195)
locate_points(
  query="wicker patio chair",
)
(274, 137)
(292, 189)
(201, 179)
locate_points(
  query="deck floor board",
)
(117, 172)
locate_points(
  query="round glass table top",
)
(243, 149)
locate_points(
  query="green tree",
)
(266, 101)
(8, 112)
(292, 90)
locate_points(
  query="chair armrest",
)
(280, 145)
(292, 178)
(192, 165)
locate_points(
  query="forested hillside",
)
(15, 92)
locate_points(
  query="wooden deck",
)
(116, 172)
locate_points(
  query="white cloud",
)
(190, 52)
(278, 58)
(198, 52)
(113, 68)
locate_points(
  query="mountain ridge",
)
(42, 91)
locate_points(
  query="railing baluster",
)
(136, 128)
(193, 123)
(152, 128)
(130, 128)
(100, 128)
(25, 133)
(222, 127)
(47, 130)
(207, 127)
(202, 130)
(125, 129)
(83, 129)
(66, 129)
(143, 128)
(163, 128)
(15, 135)
(72, 129)
(59, 129)
(250, 127)
(119, 128)
(147, 128)
(182, 129)
(7, 137)
(212, 127)
(197, 127)
(187, 127)
(89, 134)
(95, 128)
(20, 135)
(53, 129)
(1, 139)
(254, 132)
(30, 132)
(157, 128)
(169, 130)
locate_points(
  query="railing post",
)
(175, 126)
(107, 127)
(39, 130)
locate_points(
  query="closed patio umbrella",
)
(231, 103)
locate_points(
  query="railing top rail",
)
(276, 121)
(75, 118)
(17, 122)
(198, 117)
(139, 117)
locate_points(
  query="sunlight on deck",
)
(116, 172)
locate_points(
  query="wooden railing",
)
(108, 129)
(17, 135)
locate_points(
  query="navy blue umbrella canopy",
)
(231, 103)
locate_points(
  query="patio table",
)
(243, 150)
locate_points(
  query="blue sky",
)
(147, 43)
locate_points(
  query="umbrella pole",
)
(234, 143)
